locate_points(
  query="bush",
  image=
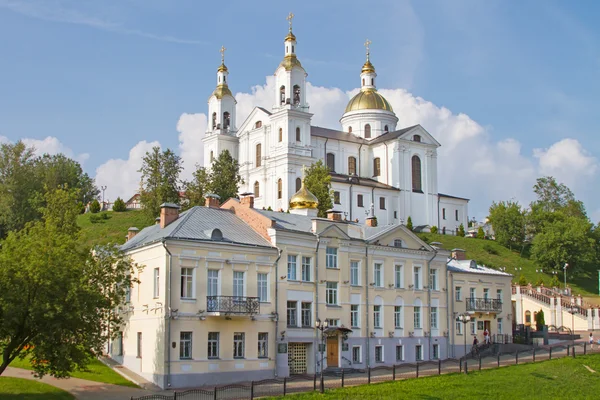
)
(95, 207)
(539, 320)
(540, 282)
(119, 205)
(434, 229)
(94, 219)
(409, 223)
(490, 249)
(522, 280)
(480, 233)
(555, 282)
(461, 231)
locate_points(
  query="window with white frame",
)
(262, 283)
(419, 352)
(398, 276)
(459, 328)
(499, 294)
(187, 283)
(472, 293)
(354, 273)
(500, 326)
(473, 327)
(306, 314)
(379, 354)
(433, 279)
(306, 264)
(238, 284)
(398, 243)
(213, 282)
(377, 316)
(417, 317)
(185, 345)
(156, 282)
(291, 274)
(378, 274)
(417, 278)
(292, 313)
(435, 350)
(331, 257)
(433, 317)
(354, 316)
(263, 343)
(398, 317)
(213, 344)
(331, 293)
(239, 345)
(333, 321)
(356, 356)
(458, 293)
(486, 293)
(399, 352)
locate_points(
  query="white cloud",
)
(4, 139)
(191, 128)
(567, 161)
(52, 145)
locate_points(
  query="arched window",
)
(351, 166)
(224, 79)
(331, 162)
(372, 81)
(527, 317)
(279, 189)
(258, 155)
(363, 81)
(416, 138)
(367, 131)
(349, 129)
(296, 95)
(282, 94)
(298, 137)
(292, 48)
(258, 124)
(256, 189)
(416, 174)
(377, 166)
(212, 156)
(280, 134)
(214, 120)
(385, 128)
(226, 120)
(298, 184)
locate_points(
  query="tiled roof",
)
(471, 267)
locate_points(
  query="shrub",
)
(95, 219)
(555, 282)
(119, 205)
(480, 233)
(95, 207)
(539, 320)
(461, 231)
(434, 229)
(522, 280)
(409, 223)
(540, 282)
(490, 249)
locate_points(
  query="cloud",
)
(191, 128)
(4, 139)
(52, 145)
(567, 161)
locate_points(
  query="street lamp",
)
(565, 274)
(322, 326)
(572, 310)
(103, 189)
(464, 318)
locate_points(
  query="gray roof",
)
(471, 267)
(391, 135)
(265, 110)
(350, 137)
(357, 180)
(452, 197)
(197, 224)
(290, 222)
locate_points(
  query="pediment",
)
(408, 239)
(426, 137)
(334, 231)
(257, 114)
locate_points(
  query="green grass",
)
(112, 230)
(98, 372)
(25, 389)
(565, 378)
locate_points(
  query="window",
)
(238, 344)
(298, 137)
(349, 129)
(139, 345)
(367, 131)
(486, 293)
(258, 124)
(500, 326)
(331, 162)
(331, 257)
(416, 174)
(456, 214)
(262, 287)
(419, 352)
(386, 129)
(187, 283)
(306, 263)
(417, 138)
(238, 284)
(354, 273)
(119, 351)
(379, 354)
(306, 314)
(336, 197)
(263, 342)
(213, 344)
(378, 274)
(459, 328)
(359, 200)
(292, 313)
(351, 165)
(377, 316)
(356, 359)
(458, 293)
(291, 274)
(214, 120)
(354, 315)
(331, 293)
(282, 90)
(443, 213)
(398, 276)
(258, 155)
(279, 188)
(213, 282)
(433, 279)
(212, 156)
(382, 203)
(417, 278)
(298, 184)
(397, 242)
(226, 120)
(280, 134)
(128, 294)
(473, 327)
(435, 352)
(472, 293)
(333, 322)
(417, 317)
(185, 345)
(296, 90)
(399, 353)
(398, 317)
(433, 317)
(156, 282)
(377, 166)
(499, 294)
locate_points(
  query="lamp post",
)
(322, 326)
(572, 310)
(103, 189)
(565, 274)
(464, 318)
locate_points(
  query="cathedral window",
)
(258, 124)
(349, 129)
(298, 184)
(351, 166)
(214, 120)
(359, 200)
(377, 166)
(386, 129)
(292, 48)
(336, 197)
(298, 137)
(296, 95)
(331, 162)
(258, 155)
(280, 134)
(372, 81)
(367, 131)
(224, 79)
(416, 174)
(363, 81)
(282, 94)
(226, 120)
(416, 138)
(256, 189)
(212, 156)
(382, 203)
(279, 189)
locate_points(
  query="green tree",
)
(508, 221)
(119, 205)
(197, 188)
(434, 229)
(225, 178)
(58, 299)
(480, 233)
(318, 182)
(522, 280)
(555, 281)
(95, 206)
(409, 223)
(539, 320)
(160, 180)
(461, 231)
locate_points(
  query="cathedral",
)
(378, 169)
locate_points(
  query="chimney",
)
(334, 215)
(458, 254)
(131, 232)
(212, 201)
(169, 212)
(371, 221)
(156, 220)
(247, 199)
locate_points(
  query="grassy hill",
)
(111, 230)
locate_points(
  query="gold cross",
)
(290, 18)
(367, 43)
(222, 51)
(304, 169)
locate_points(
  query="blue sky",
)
(101, 76)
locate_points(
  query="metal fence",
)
(347, 378)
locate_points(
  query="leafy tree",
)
(522, 280)
(58, 299)
(409, 223)
(318, 182)
(434, 229)
(225, 178)
(508, 221)
(540, 282)
(555, 281)
(119, 205)
(95, 206)
(197, 188)
(160, 180)
(480, 233)
(461, 231)
(539, 320)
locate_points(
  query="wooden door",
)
(332, 352)
(487, 325)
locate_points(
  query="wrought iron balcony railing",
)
(480, 304)
(232, 304)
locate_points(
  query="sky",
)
(509, 88)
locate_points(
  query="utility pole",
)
(103, 189)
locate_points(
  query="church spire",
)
(221, 104)
(368, 74)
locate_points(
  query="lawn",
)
(25, 389)
(98, 372)
(111, 230)
(565, 378)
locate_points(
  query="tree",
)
(555, 281)
(197, 188)
(434, 229)
(119, 205)
(95, 206)
(522, 280)
(318, 182)
(508, 221)
(461, 231)
(58, 299)
(480, 233)
(539, 320)
(225, 178)
(409, 223)
(160, 180)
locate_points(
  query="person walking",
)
(591, 339)
(486, 336)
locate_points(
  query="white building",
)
(378, 168)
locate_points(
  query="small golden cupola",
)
(290, 60)
(303, 199)
(222, 88)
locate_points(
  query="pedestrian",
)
(486, 336)
(591, 340)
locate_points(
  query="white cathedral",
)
(376, 169)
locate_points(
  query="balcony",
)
(232, 305)
(484, 305)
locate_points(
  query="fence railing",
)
(482, 304)
(347, 378)
(232, 304)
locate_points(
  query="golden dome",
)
(222, 68)
(221, 91)
(368, 99)
(290, 36)
(368, 67)
(290, 62)
(303, 199)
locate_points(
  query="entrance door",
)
(488, 325)
(332, 352)
(297, 358)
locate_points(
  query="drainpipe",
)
(367, 304)
(386, 163)
(351, 183)
(438, 220)
(429, 298)
(277, 303)
(317, 302)
(450, 314)
(168, 314)
(359, 153)
(325, 150)
(373, 202)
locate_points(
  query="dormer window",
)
(216, 235)
(398, 243)
(416, 138)
(258, 124)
